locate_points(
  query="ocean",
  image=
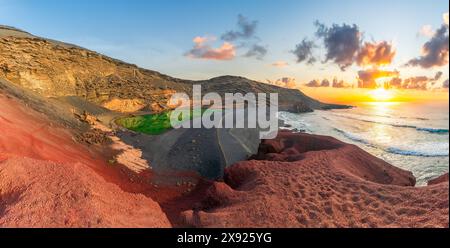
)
(411, 136)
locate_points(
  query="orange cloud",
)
(376, 54)
(368, 78)
(417, 82)
(203, 50)
(280, 64)
(285, 82)
(201, 40)
(339, 84)
(445, 17)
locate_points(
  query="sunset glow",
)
(348, 59)
(247, 115)
(354, 96)
(381, 95)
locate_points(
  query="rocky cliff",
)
(56, 69)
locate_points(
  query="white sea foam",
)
(395, 124)
(423, 149)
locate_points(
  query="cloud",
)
(246, 30)
(246, 35)
(280, 64)
(368, 78)
(395, 82)
(303, 51)
(285, 82)
(203, 50)
(438, 75)
(325, 83)
(256, 51)
(435, 51)
(344, 46)
(445, 83)
(315, 83)
(342, 43)
(381, 53)
(339, 84)
(427, 31)
(203, 39)
(445, 17)
(418, 83)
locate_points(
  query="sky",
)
(286, 42)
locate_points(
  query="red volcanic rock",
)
(441, 179)
(46, 194)
(48, 180)
(303, 180)
(28, 133)
(292, 147)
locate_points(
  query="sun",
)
(381, 95)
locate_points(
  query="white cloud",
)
(427, 31)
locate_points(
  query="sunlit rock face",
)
(56, 69)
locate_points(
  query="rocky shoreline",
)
(296, 180)
(301, 180)
(63, 165)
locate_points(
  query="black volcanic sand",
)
(205, 151)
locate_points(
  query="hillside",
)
(49, 180)
(55, 69)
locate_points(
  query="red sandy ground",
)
(48, 180)
(441, 179)
(301, 180)
(37, 193)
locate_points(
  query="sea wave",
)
(431, 149)
(421, 129)
(432, 130)
(387, 116)
(294, 121)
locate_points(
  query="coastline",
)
(302, 180)
(416, 141)
(54, 155)
(296, 180)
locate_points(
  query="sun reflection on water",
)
(380, 112)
